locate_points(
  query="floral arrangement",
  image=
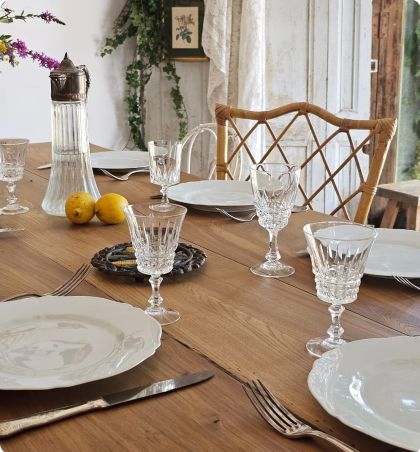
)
(12, 49)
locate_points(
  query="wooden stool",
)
(401, 195)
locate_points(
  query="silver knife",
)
(8, 428)
(12, 229)
(46, 166)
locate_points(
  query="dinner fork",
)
(61, 290)
(126, 175)
(243, 218)
(281, 419)
(406, 282)
(250, 216)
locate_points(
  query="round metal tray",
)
(121, 260)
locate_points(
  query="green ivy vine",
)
(412, 52)
(144, 20)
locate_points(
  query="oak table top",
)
(234, 323)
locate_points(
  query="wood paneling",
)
(387, 48)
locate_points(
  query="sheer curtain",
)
(234, 40)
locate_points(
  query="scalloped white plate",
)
(54, 342)
(119, 160)
(209, 194)
(395, 252)
(373, 385)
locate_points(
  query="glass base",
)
(13, 209)
(318, 346)
(163, 316)
(162, 207)
(272, 270)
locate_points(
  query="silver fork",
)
(406, 282)
(250, 216)
(243, 218)
(61, 290)
(126, 175)
(281, 419)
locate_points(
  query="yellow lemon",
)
(80, 207)
(110, 208)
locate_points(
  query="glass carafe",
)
(71, 169)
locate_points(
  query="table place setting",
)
(55, 340)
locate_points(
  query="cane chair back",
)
(198, 156)
(323, 131)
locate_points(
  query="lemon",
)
(80, 207)
(110, 208)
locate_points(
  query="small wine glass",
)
(12, 163)
(338, 253)
(165, 166)
(274, 186)
(154, 235)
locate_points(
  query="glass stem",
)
(335, 331)
(273, 254)
(164, 191)
(11, 199)
(155, 300)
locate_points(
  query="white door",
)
(319, 52)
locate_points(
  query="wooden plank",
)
(413, 218)
(387, 48)
(390, 214)
(407, 191)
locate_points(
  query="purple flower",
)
(49, 17)
(20, 48)
(44, 60)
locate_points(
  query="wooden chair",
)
(334, 129)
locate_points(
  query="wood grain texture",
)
(232, 321)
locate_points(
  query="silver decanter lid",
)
(69, 83)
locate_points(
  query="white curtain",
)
(234, 40)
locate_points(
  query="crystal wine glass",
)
(12, 163)
(274, 186)
(338, 253)
(165, 166)
(154, 234)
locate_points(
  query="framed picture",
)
(184, 27)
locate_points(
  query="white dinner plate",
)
(53, 342)
(395, 252)
(372, 385)
(210, 194)
(119, 160)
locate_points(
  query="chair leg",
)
(390, 214)
(413, 218)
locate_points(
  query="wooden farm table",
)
(234, 323)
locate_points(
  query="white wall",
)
(25, 89)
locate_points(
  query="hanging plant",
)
(144, 20)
